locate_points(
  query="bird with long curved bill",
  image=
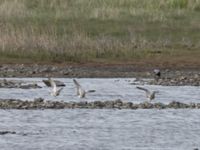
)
(55, 91)
(149, 94)
(80, 91)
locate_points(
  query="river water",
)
(102, 129)
(106, 89)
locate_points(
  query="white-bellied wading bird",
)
(55, 91)
(157, 74)
(149, 94)
(80, 91)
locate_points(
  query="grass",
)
(99, 30)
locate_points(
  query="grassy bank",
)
(99, 30)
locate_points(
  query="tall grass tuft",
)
(89, 30)
(178, 3)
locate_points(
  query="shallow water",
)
(106, 89)
(102, 129)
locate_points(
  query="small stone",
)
(38, 100)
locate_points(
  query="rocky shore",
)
(17, 84)
(115, 104)
(178, 79)
(169, 76)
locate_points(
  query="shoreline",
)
(169, 76)
(92, 70)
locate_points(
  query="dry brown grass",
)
(109, 30)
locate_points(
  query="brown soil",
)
(134, 68)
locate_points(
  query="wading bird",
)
(80, 91)
(149, 94)
(157, 73)
(55, 91)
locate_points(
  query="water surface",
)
(106, 89)
(102, 129)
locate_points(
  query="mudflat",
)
(170, 74)
(94, 70)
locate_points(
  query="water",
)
(102, 129)
(106, 89)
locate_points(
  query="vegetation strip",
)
(116, 104)
(92, 30)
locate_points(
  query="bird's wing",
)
(59, 90)
(76, 83)
(78, 87)
(141, 88)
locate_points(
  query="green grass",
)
(93, 30)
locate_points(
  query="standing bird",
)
(55, 91)
(80, 91)
(157, 73)
(149, 94)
